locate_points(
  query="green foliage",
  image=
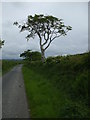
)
(80, 86)
(42, 96)
(31, 56)
(53, 60)
(74, 110)
(41, 25)
(47, 28)
(8, 64)
(69, 76)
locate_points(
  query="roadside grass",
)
(59, 87)
(8, 65)
(44, 99)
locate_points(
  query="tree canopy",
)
(47, 28)
(31, 55)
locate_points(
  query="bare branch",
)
(58, 35)
(55, 37)
(48, 45)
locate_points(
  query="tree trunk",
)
(42, 50)
(43, 55)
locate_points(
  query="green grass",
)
(44, 99)
(8, 65)
(59, 87)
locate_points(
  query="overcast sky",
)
(73, 14)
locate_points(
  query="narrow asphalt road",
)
(0, 97)
(14, 102)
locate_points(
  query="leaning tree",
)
(47, 28)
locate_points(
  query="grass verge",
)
(58, 88)
(42, 96)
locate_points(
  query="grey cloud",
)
(74, 14)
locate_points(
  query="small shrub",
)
(49, 61)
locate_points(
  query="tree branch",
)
(52, 33)
(55, 37)
(48, 45)
(58, 35)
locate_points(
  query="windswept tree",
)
(47, 28)
(31, 55)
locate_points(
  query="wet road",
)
(14, 101)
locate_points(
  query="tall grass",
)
(9, 64)
(43, 98)
(64, 78)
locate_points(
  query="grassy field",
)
(59, 87)
(8, 64)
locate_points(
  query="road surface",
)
(0, 97)
(14, 102)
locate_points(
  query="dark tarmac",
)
(14, 101)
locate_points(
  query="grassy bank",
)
(8, 65)
(59, 87)
(43, 97)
